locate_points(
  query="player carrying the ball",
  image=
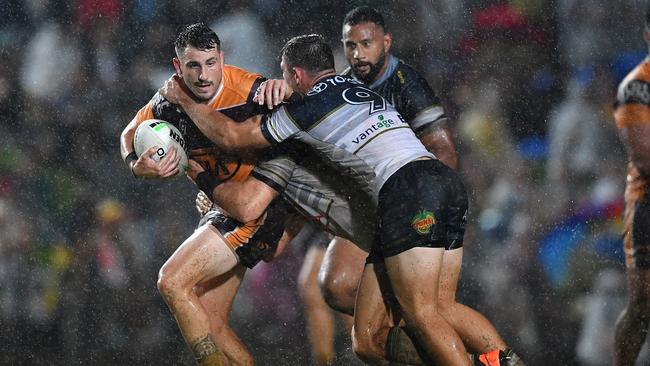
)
(200, 280)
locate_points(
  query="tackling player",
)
(632, 116)
(200, 280)
(421, 203)
(366, 44)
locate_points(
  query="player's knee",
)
(337, 292)
(366, 347)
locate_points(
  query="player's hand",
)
(272, 92)
(167, 167)
(175, 91)
(193, 169)
(203, 203)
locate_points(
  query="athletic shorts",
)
(423, 204)
(254, 240)
(636, 239)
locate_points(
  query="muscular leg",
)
(632, 326)
(477, 333)
(414, 276)
(320, 321)
(371, 314)
(217, 296)
(340, 274)
(202, 257)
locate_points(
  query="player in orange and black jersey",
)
(200, 280)
(632, 117)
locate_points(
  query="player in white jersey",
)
(421, 203)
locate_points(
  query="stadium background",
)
(529, 86)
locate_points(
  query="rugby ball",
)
(164, 135)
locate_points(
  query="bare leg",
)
(369, 332)
(202, 257)
(320, 320)
(217, 296)
(632, 326)
(415, 276)
(478, 333)
(340, 274)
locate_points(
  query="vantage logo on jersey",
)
(381, 123)
(423, 221)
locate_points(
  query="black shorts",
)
(424, 204)
(637, 235)
(251, 241)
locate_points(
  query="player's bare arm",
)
(438, 139)
(144, 166)
(219, 128)
(243, 201)
(638, 144)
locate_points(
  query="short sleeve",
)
(279, 126)
(421, 106)
(632, 103)
(275, 172)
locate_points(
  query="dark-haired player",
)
(367, 43)
(421, 203)
(200, 280)
(632, 116)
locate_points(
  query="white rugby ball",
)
(164, 135)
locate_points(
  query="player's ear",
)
(388, 41)
(221, 58)
(646, 36)
(177, 66)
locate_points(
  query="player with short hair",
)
(420, 201)
(367, 43)
(632, 117)
(201, 278)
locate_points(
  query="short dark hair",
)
(309, 52)
(197, 35)
(364, 14)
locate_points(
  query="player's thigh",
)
(452, 260)
(414, 276)
(342, 266)
(204, 255)
(217, 294)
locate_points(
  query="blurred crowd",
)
(529, 86)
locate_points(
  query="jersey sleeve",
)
(144, 113)
(279, 126)
(275, 172)
(632, 103)
(421, 104)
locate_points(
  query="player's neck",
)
(317, 77)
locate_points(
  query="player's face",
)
(201, 70)
(366, 47)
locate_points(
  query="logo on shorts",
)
(423, 221)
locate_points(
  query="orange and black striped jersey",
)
(234, 99)
(633, 108)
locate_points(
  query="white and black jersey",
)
(350, 126)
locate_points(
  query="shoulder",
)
(406, 75)
(238, 80)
